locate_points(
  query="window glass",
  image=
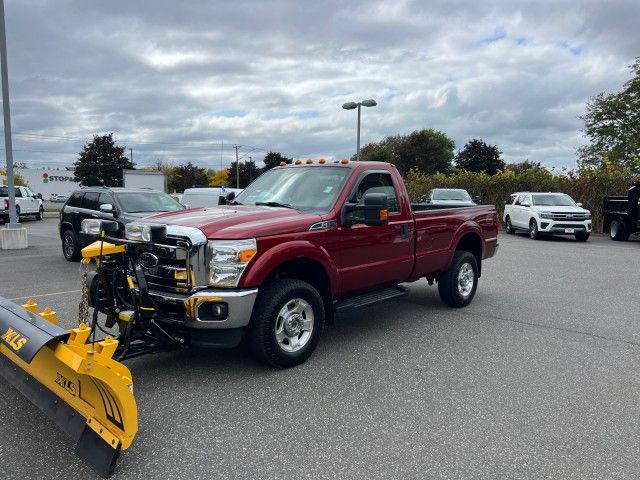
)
(90, 201)
(106, 197)
(313, 189)
(75, 200)
(377, 183)
(551, 199)
(142, 202)
(200, 199)
(18, 192)
(451, 194)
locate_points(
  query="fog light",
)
(213, 311)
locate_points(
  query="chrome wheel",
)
(68, 246)
(466, 279)
(294, 325)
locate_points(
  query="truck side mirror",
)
(477, 200)
(107, 208)
(579, 204)
(525, 204)
(372, 211)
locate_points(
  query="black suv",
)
(120, 204)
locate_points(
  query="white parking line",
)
(44, 295)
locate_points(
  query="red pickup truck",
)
(298, 245)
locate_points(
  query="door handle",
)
(404, 231)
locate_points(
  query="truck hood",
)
(240, 221)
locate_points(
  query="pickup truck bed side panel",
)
(439, 231)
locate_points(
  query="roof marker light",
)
(344, 161)
(298, 162)
(309, 161)
(322, 161)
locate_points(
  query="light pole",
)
(350, 106)
(14, 221)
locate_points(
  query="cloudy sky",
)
(178, 80)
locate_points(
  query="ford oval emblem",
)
(148, 260)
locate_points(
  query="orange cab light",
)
(384, 215)
(282, 164)
(322, 161)
(309, 161)
(344, 161)
(298, 162)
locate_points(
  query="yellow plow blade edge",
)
(77, 384)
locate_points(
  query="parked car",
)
(198, 197)
(300, 243)
(449, 196)
(58, 198)
(27, 203)
(547, 213)
(120, 204)
(622, 214)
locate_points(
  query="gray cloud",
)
(175, 79)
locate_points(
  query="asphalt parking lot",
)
(537, 378)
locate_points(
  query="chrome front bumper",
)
(239, 305)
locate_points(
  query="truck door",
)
(369, 257)
(31, 201)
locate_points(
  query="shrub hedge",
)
(589, 187)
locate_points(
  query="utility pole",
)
(13, 221)
(237, 166)
(15, 235)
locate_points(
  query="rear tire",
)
(618, 231)
(286, 324)
(457, 286)
(40, 214)
(508, 228)
(582, 236)
(70, 247)
(534, 234)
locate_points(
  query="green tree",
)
(522, 166)
(612, 125)
(273, 159)
(427, 151)
(248, 173)
(186, 175)
(478, 156)
(100, 163)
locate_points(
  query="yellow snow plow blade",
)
(75, 382)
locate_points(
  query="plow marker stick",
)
(76, 384)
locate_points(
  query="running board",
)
(370, 298)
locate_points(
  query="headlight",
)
(228, 259)
(547, 215)
(144, 232)
(91, 226)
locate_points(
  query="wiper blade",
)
(234, 202)
(275, 204)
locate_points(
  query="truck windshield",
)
(309, 189)
(139, 202)
(451, 195)
(553, 200)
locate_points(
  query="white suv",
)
(552, 213)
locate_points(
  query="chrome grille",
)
(569, 217)
(171, 273)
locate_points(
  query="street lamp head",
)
(368, 103)
(350, 105)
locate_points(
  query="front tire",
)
(286, 323)
(534, 234)
(40, 214)
(508, 228)
(70, 247)
(582, 236)
(618, 231)
(457, 286)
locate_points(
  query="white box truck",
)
(142, 179)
